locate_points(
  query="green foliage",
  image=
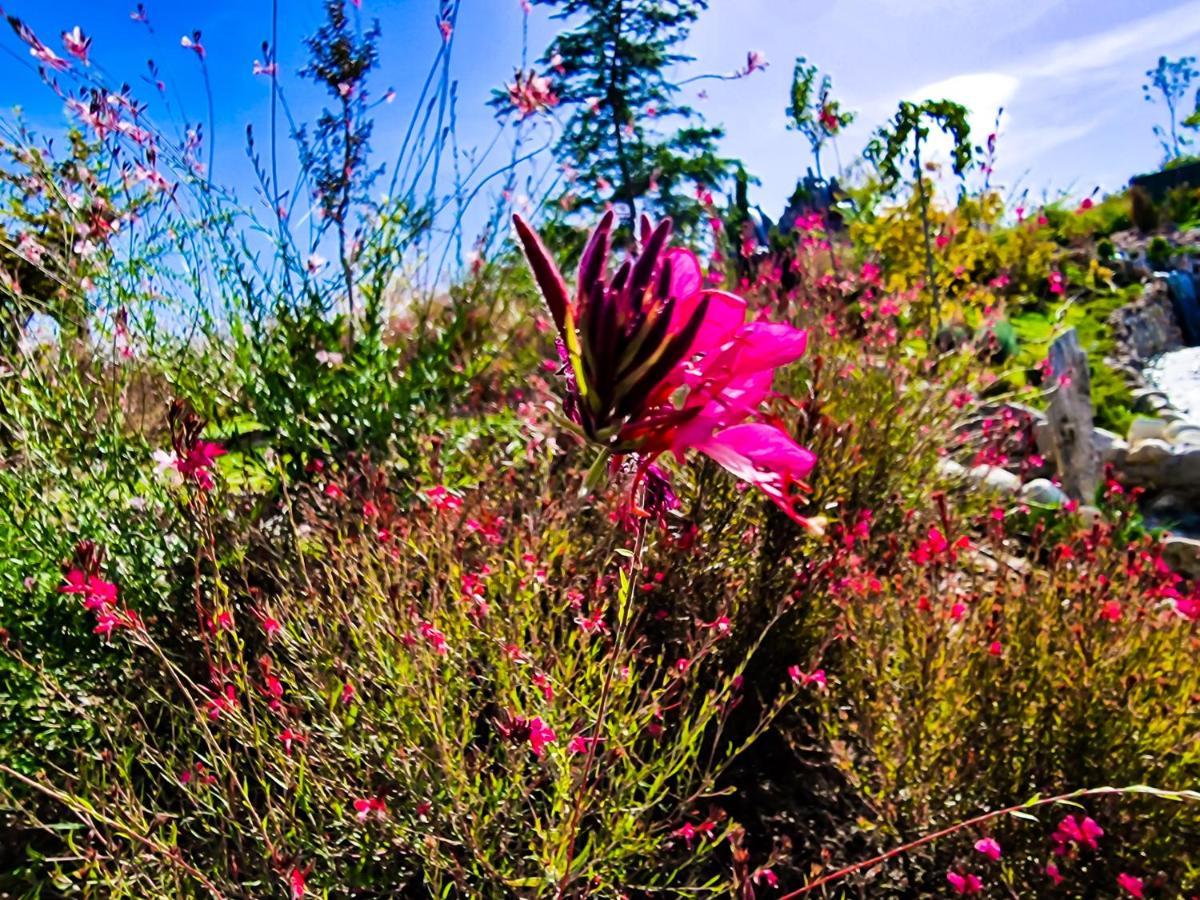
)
(814, 113)
(1170, 82)
(616, 65)
(890, 145)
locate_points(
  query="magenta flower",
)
(1053, 874)
(192, 43)
(1130, 884)
(656, 363)
(531, 93)
(540, 734)
(964, 883)
(77, 44)
(1072, 831)
(989, 847)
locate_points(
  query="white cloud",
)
(1108, 49)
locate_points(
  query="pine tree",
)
(629, 139)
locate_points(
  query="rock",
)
(1111, 447)
(1149, 400)
(997, 479)
(1182, 432)
(1144, 428)
(948, 468)
(1070, 416)
(1152, 452)
(1044, 492)
(1182, 471)
(1183, 555)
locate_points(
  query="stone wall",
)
(1145, 328)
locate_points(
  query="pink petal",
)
(685, 272)
(764, 456)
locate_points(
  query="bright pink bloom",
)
(365, 807)
(540, 734)
(1072, 831)
(77, 44)
(296, 881)
(198, 461)
(193, 43)
(1053, 874)
(1131, 884)
(436, 639)
(816, 677)
(964, 883)
(531, 93)
(1058, 284)
(656, 363)
(989, 847)
(441, 499)
(290, 738)
(765, 876)
(582, 744)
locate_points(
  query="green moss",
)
(1036, 328)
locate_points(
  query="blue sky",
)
(1068, 72)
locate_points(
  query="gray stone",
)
(1144, 428)
(948, 468)
(1111, 447)
(997, 479)
(1153, 452)
(1149, 400)
(1183, 555)
(1070, 416)
(1182, 432)
(1044, 492)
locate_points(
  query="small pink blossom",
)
(365, 807)
(1130, 884)
(989, 847)
(540, 734)
(77, 44)
(192, 43)
(1053, 874)
(297, 878)
(964, 883)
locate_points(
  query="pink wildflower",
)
(1072, 831)
(77, 44)
(297, 878)
(1053, 874)
(1130, 884)
(540, 734)
(365, 807)
(290, 738)
(634, 341)
(192, 43)
(531, 93)
(989, 847)
(964, 883)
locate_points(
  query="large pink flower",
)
(656, 363)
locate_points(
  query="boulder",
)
(1144, 428)
(1152, 452)
(1182, 432)
(995, 478)
(1183, 555)
(948, 468)
(1043, 492)
(1111, 447)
